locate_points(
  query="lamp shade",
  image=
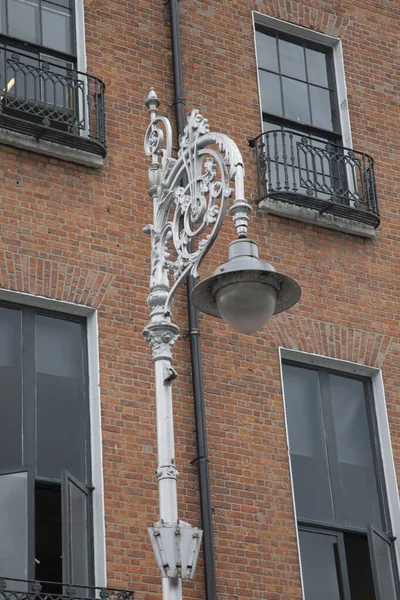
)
(245, 291)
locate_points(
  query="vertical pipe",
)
(194, 336)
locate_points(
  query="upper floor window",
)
(45, 474)
(302, 158)
(49, 24)
(346, 542)
(297, 84)
(42, 92)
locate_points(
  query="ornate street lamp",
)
(190, 195)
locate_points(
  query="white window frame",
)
(385, 446)
(324, 40)
(99, 533)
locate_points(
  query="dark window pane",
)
(317, 67)
(10, 337)
(307, 444)
(271, 98)
(60, 397)
(23, 20)
(60, 426)
(382, 560)
(267, 56)
(3, 22)
(318, 563)
(292, 61)
(11, 418)
(14, 525)
(267, 126)
(355, 455)
(10, 388)
(58, 347)
(295, 100)
(48, 546)
(64, 3)
(321, 107)
(56, 27)
(359, 567)
(76, 543)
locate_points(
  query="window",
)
(42, 94)
(301, 159)
(46, 23)
(346, 542)
(297, 85)
(45, 474)
(38, 58)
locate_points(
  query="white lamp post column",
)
(190, 195)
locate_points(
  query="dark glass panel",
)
(321, 109)
(316, 67)
(295, 100)
(60, 426)
(271, 97)
(10, 388)
(10, 337)
(318, 553)
(58, 347)
(56, 27)
(14, 526)
(48, 551)
(267, 56)
(23, 20)
(3, 22)
(292, 61)
(355, 454)
(359, 567)
(64, 3)
(383, 566)
(75, 540)
(307, 444)
(11, 417)
(79, 537)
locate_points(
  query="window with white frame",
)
(345, 532)
(297, 84)
(45, 91)
(305, 157)
(45, 467)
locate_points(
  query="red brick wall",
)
(75, 234)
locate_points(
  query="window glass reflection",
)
(307, 445)
(318, 561)
(271, 93)
(267, 55)
(23, 20)
(292, 61)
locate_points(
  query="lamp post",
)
(190, 196)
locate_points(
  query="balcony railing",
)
(49, 99)
(314, 173)
(27, 589)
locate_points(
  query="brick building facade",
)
(73, 256)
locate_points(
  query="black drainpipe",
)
(194, 336)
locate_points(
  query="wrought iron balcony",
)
(314, 173)
(27, 589)
(47, 98)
